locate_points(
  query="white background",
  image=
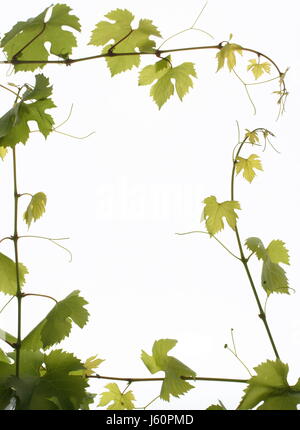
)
(123, 193)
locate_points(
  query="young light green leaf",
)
(8, 278)
(163, 74)
(90, 364)
(258, 69)
(174, 369)
(255, 245)
(278, 252)
(270, 386)
(248, 165)
(252, 136)
(120, 401)
(273, 278)
(36, 208)
(27, 39)
(58, 323)
(125, 38)
(214, 212)
(14, 124)
(227, 52)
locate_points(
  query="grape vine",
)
(34, 374)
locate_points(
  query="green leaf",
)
(248, 165)
(134, 40)
(214, 212)
(164, 75)
(278, 252)
(36, 208)
(120, 400)
(258, 69)
(90, 364)
(227, 53)
(252, 136)
(58, 323)
(27, 38)
(273, 278)
(255, 245)
(270, 386)
(14, 126)
(41, 90)
(54, 387)
(8, 278)
(174, 369)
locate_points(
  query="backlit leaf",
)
(273, 278)
(174, 369)
(164, 75)
(248, 165)
(258, 69)
(214, 212)
(255, 245)
(252, 136)
(8, 278)
(134, 40)
(27, 39)
(227, 53)
(90, 364)
(119, 401)
(58, 323)
(36, 208)
(270, 386)
(278, 252)
(14, 126)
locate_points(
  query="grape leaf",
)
(3, 152)
(58, 323)
(26, 40)
(14, 124)
(248, 165)
(270, 386)
(8, 278)
(255, 245)
(273, 278)
(174, 369)
(163, 73)
(252, 136)
(90, 364)
(214, 212)
(278, 252)
(120, 400)
(134, 40)
(36, 208)
(258, 69)
(54, 387)
(227, 52)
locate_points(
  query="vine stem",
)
(244, 260)
(197, 378)
(15, 240)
